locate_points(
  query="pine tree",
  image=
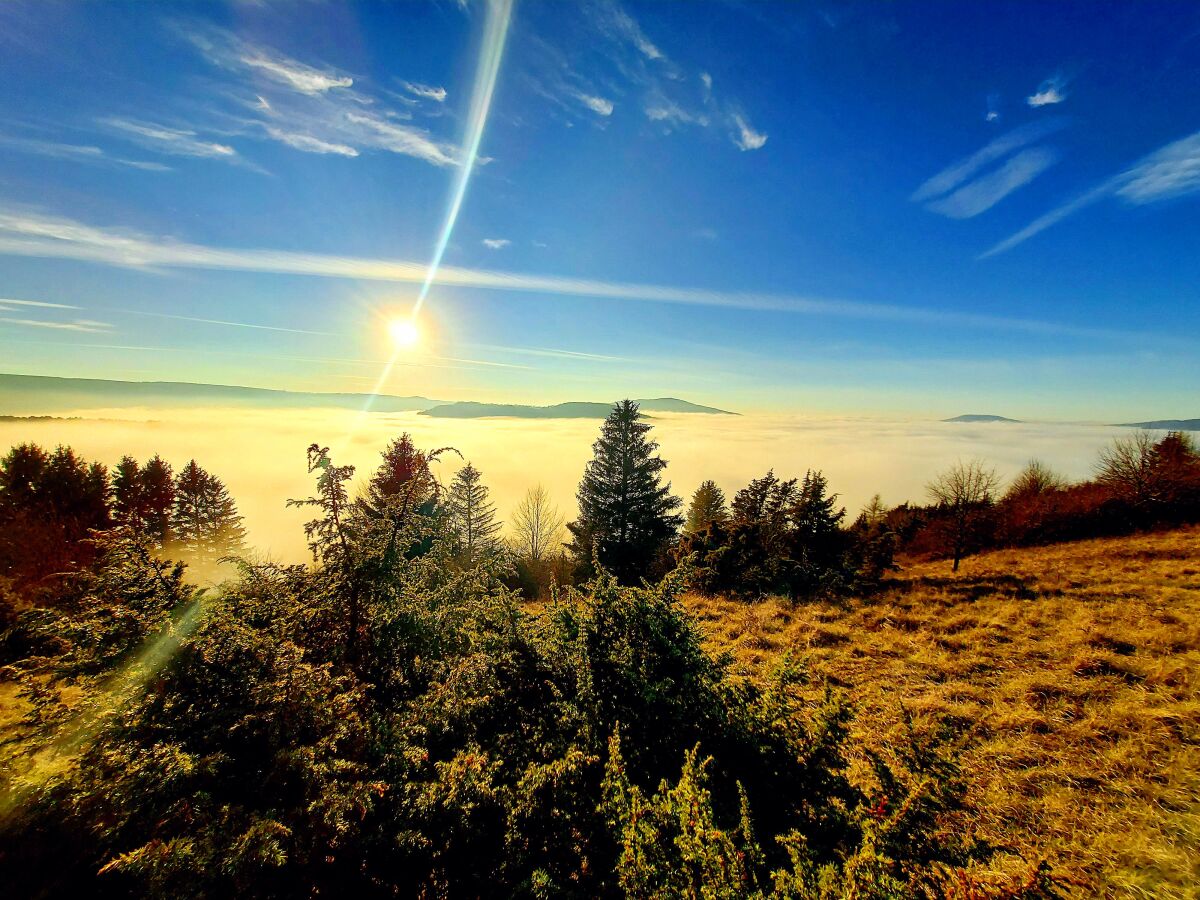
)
(158, 495)
(707, 508)
(626, 517)
(129, 504)
(205, 520)
(472, 515)
(403, 476)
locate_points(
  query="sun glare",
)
(404, 333)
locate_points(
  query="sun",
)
(404, 333)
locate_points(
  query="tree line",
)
(786, 536)
(51, 503)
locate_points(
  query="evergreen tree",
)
(707, 508)
(158, 497)
(626, 517)
(129, 503)
(472, 515)
(49, 506)
(404, 481)
(205, 520)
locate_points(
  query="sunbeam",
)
(494, 36)
(77, 733)
(495, 33)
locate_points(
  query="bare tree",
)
(537, 526)
(964, 490)
(1137, 469)
(1035, 479)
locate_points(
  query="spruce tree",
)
(472, 515)
(205, 521)
(158, 495)
(129, 506)
(626, 516)
(404, 482)
(707, 508)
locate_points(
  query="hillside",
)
(1166, 425)
(25, 396)
(1071, 674)
(38, 394)
(569, 410)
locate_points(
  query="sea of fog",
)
(260, 454)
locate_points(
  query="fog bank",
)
(260, 454)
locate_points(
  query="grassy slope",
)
(1072, 673)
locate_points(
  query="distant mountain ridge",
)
(22, 396)
(26, 394)
(469, 409)
(976, 417)
(1165, 425)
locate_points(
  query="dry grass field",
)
(1070, 673)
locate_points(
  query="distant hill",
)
(571, 410)
(1166, 425)
(38, 394)
(975, 417)
(23, 396)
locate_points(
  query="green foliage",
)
(472, 515)
(49, 504)
(785, 537)
(389, 721)
(707, 508)
(626, 516)
(205, 525)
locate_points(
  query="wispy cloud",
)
(7, 304)
(993, 108)
(496, 243)
(317, 109)
(624, 27)
(596, 104)
(231, 52)
(1050, 92)
(550, 353)
(660, 109)
(747, 138)
(630, 63)
(1169, 172)
(222, 322)
(23, 233)
(173, 141)
(308, 143)
(84, 153)
(428, 92)
(956, 173)
(297, 76)
(86, 325)
(985, 192)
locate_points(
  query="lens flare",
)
(492, 49)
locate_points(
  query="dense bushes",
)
(390, 722)
(785, 537)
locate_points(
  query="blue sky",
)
(916, 207)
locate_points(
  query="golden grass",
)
(1071, 673)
